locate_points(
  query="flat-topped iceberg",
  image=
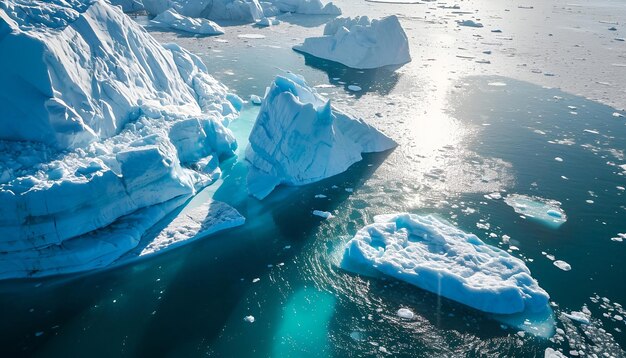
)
(360, 43)
(545, 211)
(99, 123)
(436, 256)
(171, 19)
(246, 11)
(299, 138)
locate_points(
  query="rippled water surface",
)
(463, 135)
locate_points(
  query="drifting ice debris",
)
(256, 100)
(170, 18)
(249, 319)
(360, 43)
(551, 353)
(470, 23)
(578, 317)
(405, 313)
(562, 265)
(119, 131)
(442, 259)
(548, 212)
(299, 138)
(323, 214)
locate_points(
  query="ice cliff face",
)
(299, 138)
(98, 122)
(360, 42)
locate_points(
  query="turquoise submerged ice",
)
(547, 212)
(442, 259)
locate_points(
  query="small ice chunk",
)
(558, 159)
(405, 313)
(469, 23)
(354, 88)
(323, 214)
(551, 353)
(256, 100)
(546, 211)
(249, 319)
(562, 265)
(577, 316)
(320, 196)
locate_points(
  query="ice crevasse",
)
(360, 42)
(103, 131)
(300, 138)
(436, 256)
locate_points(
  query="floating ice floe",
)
(171, 19)
(547, 212)
(551, 353)
(438, 257)
(323, 214)
(103, 136)
(249, 319)
(577, 316)
(405, 313)
(469, 23)
(360, 42)
(247, 11)
(562, 265)
(299, 138)
(256, 100)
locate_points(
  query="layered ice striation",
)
(545, 211)
(172, 19)
(360, 42)
(102, 132)
(299, 138)
(245, 11)
(436, 256)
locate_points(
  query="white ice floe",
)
(360, 42)
(577, 316)
(323, 214)
(105, 131)
(551, 353)
(306, 7)
(299, 138)
(231, 10)
(249, 319)
(547, 212)
(469, 23)
(562, 265)
(256, 100)
(405, 313)
(171, 19)
(438, 257)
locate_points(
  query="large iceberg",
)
(306, 7)
(171, 19)
(299, 138)
(438, 257)
(129, 5)
(228, 10)
(360, 43)
(99, 124)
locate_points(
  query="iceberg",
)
(360, 43)
(170, 18)
(129, 5)
(299, 138)
(305, 7)
(436, 256)
(246, 11)
(102, 132)
(545, 211)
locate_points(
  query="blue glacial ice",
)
(172, 19)
(300, 138)
(436, 256)
(360, 42)
(229, 10)
(105, 132)
(545, 211)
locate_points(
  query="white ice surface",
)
(172, 19)
(229, 10)
(437, 257)
(299, 138)
(360, 42)
(101, 124)
(305, 7)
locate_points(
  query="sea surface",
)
(464, 131)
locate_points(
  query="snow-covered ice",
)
(305, 7)
(577, 316)
(547, 212)
(469, 23)
(171, 19)
(562, 265)
(360, 42)
(405, 313)
(551, 353)
(249, 319)
(438, 257)
(231, 10)
(99, 130)
(300, 138)
(323, 214)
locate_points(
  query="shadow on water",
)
(378, 80)
(175, 301)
